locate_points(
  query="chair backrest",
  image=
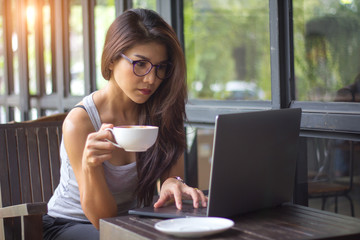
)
(29, 161)
(50, 118)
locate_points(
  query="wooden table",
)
(285, 222)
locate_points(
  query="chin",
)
(140, 101)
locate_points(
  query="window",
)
(47, 44)
(31, 17)
(15, 48)
(241, 55)
(326, 65)
(77, 82)
(2, 114)
(149, 4)
(199, 154)
(333, 166)
(2, 53)
(227, 46)
(327, 47)
(104, 15)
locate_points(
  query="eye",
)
(141, 64)
(162, 67)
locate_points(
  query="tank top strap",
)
(92, 111)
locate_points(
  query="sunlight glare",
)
(30, 14)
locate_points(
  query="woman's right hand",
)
(97, 150)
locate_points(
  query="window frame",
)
(331, 119)
(328, 118)
(204, 111)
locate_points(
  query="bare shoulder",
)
(77, 124)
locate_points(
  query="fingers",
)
(94, 155)
(106, 125)
(171, 189)
(96, 141)
(198, 197)
(203, 198)
(178, 199)
(195, 197)
(161, 202)
(100, 137)
(104, 134)
(175, 190)
(169, 197)
(97, 150)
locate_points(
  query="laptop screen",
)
(254, 159)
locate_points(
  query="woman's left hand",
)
(173, 189)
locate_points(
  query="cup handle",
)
(115, 144)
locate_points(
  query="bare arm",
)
(87, 150)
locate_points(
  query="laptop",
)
(253, 165)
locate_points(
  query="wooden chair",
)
(51, 118)
(29, 174)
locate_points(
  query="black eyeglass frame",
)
(134, 62)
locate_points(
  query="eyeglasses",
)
(143, 67)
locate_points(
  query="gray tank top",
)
(122, 180)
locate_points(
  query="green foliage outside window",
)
(227, 42)
(148, 4)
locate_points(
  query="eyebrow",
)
(146, 58)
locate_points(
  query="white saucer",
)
(194, 226)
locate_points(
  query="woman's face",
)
(139, 89)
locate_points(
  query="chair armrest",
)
(24, 209)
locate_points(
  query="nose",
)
(151, 76)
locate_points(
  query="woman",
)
(145, 68)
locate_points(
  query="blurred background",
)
(241, 56)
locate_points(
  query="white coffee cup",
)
(134, 138)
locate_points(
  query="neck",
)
(115, 107)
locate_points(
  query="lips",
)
(145, 91)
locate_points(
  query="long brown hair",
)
(166, 107)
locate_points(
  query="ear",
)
(111, 66)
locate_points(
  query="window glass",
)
(332, 164)
(227, 46)
(15, 47)
(205, 147)
(76, 49)
(149, 4)
(199, 161)
(46, 11)
(2, 114)
(2, 53)
(33, 114)
(31, 20)
(327, 47)
(104, 15)
(50, 112)
(17, 114)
